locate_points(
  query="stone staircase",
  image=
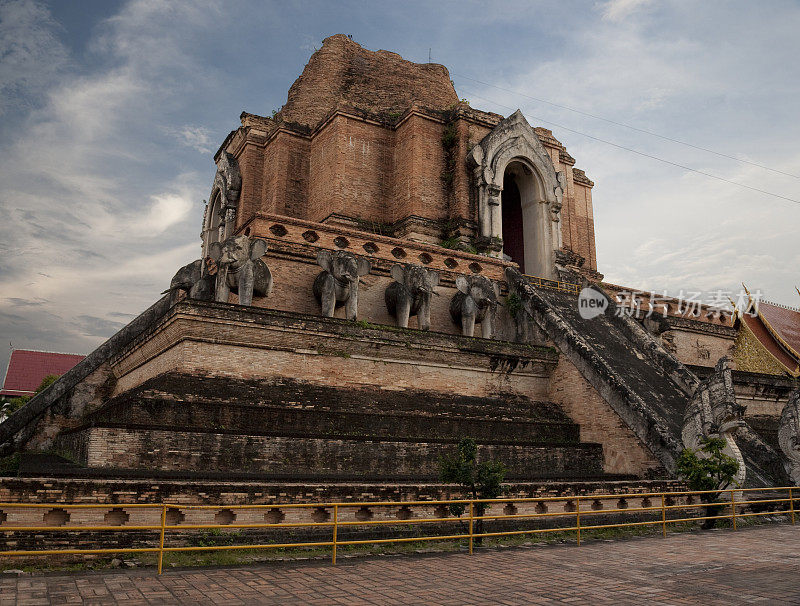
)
(645, 385)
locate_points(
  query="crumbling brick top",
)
(580, 177)
(379, 82)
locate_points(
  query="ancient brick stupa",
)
(384, 271)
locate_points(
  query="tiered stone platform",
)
(290, 429)
(213, 389)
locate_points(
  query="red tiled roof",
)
(784, 322)
(26, 369)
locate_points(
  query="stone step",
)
(182, 450)
(240, 418)
(302, 395)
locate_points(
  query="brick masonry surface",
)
(361, 136)
(755, 565)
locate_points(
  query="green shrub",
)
(713, 471)
(480, 480)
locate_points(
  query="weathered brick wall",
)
(580, 216)
(205, 452)
(287, 428)
(361, 136)
(699, 348)
(420, 164)
(295, 408)
(274, 153)
(623, 452)
(260, 345)
(325, 187)
(385, 173)
(252, 167)
(351, 170)
(292, 175)
(382, 82)
(200, 347)
(365, 170)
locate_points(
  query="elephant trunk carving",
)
(475, 302)
(410, 294)
(195, 281)
(337, 284)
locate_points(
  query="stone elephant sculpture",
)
(193, 282)
(240, 269)
(475, 301)
(337, 284)
(410, 294)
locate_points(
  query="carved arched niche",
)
(512, 150)
(220, 215)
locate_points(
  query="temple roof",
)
(784, 324)
(342, 73)
(764, 336)
(27, 368)
(777, 330)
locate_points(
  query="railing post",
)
(733, 508)
(578, 517)
(161, 540)
(791, 505)
(335, 530)
(663, 517)
(471, 522)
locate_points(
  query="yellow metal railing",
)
(569, 287)
(472, 506)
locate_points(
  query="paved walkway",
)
(759, 564)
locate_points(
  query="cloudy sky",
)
(110, 112)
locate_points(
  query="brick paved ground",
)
(759, 564)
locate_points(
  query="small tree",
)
(480, 480)
(713, 471)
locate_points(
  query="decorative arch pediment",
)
(514, 140)
(223, 201)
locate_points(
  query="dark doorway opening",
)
(511, 203)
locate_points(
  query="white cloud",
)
(165, 210)
(616, 10)
(95, 220)
(195, 137)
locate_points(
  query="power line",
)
(629, 126)
(641, 153)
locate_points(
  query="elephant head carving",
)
(410, 294)
(240, 268)
(475, 301)
(337, 283)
